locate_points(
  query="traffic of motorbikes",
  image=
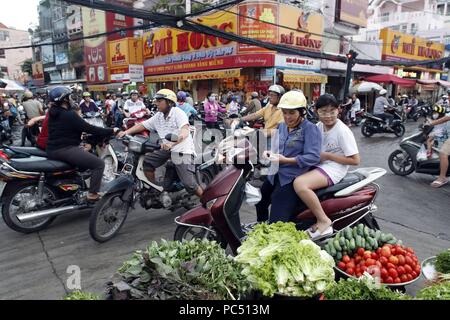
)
(35, 190)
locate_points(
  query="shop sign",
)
(258, 21)
(309, 28)
(136, 72)
(296, 62)
(352, 11)
(38, 73)
(116, 21)
(218, 74)
(399, 46)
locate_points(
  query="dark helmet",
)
(181, 95)
(58, 94)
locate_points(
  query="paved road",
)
(35, 266)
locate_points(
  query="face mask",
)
(212, 99)
(435, 115)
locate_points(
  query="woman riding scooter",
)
(65, 127)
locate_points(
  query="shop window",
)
(2, 54)
(385, 17)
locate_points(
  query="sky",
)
(19, 14)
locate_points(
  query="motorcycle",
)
(405, 160)
(412, 112)
(135, 118)
(34, 190)
(94, 119)
(311, 114)
(132, 187)
(217, 218)
(372, 124)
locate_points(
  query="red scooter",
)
(135, 118)
(218, 217)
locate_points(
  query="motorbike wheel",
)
(108, 217)
(23, 197)
(370, 221)
(185, 233)
(399, 164)
(365, 130)
(399, 130)
(416, 117)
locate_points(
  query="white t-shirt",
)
(176, 119)
(133, 107)
(339, 140)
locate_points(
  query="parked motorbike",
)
(372, 125)
(217, 218)
(132, 187)
(404, 161)
(34, 190)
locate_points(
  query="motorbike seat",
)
(374, 117)
(30, 150)
(348, 180)
(39, 164)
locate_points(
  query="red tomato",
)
(378, 251)
(363, 268)
(408, 269)
(367, 255)
(390, 265)
(394, 251)
(384, 273)
(370, 262)
(393, 273)
(341, 265)
(417, 269)
(386, 251)
(389, 280)
(397, 280)
(383, 260)
(401, 260)
(401, 251)
(414, 274)
(360, 251)
(410, 250)
(393, 260)
(374, 256)
(358, 259)
(378, 264)
(350, 265)
(409, 261)
(346, 259)
(409, 277)
(404, 278)
(358, 274)
(401, 270)
(350, 271)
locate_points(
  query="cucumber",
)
(339, 256)
(376, 246)
(372, 233)
(358, 241)
(337, 246)
(392, 241)
(361, 230)
(352, 244)
(342, 241)
(371, 242)
(366, 231)
(400, 242)
(363, 243)
(389, 236)
(333, 250)
(377, 235)
(355, 232)
(383, 238)
(348, 233)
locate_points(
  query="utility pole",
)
(351, 56)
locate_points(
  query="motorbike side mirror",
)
(171, 137)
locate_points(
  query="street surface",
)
(35, 266)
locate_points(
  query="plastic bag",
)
(422, 154)
(252, 194)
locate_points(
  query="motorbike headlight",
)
(135, 146)
(210, 203)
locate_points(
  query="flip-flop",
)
(438, 183)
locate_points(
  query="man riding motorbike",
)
(65, 127)
(378, 108)
(134, 105)
(88, 105)
(170, 120)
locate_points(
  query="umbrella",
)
(10, 85)
(390, 78)
(365, 87)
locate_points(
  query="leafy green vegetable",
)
(440, 291)
(80, 295)
(189, 265)
(443, 262)
(364, 288)
(279, 259)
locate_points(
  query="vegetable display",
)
(365, 288)
(443, 262)
(181, 270)
(438, 291)
(80, 295)
(277, 258)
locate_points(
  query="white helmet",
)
(293, 99)
(383, 92)
(444, 96)
(277, 89)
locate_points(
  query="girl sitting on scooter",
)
(339, 151)
(439, 133)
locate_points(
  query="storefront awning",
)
(417, 68)
(105, 87)
(296, 76)
(434, 82)
(390, 78)
(203, 75)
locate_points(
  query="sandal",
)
(438, 183)
(315, 235)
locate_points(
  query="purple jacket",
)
(211, 110)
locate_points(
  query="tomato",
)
(367, 255)
(374, 256)
(370, 262)
(358, 274)
(383, 260)
(360, 251)
(363, 268)
(397, 280)
(389, 280)
(408, 261)
(378, 251)
(401, 271)
(408, 269)
(385, 252)
(350, 265)
(401, 260)
(346, 259)
(393, 273)
(393, 260)
(378, 264)
(350, 271)
(404, 278)
(358, 259)
(390, 265)
(410, 250)
(417, 269)
(414, 274)
(409, 277)
(394, 251)
(341, 265)
(384, 273)
(401, 251)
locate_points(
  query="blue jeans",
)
(283, 199)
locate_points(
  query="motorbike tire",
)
(365, 130)
(416, 117)
(398, 171)
(182, 232)
(10, 192)
(98, 215)
(399, 130)
(370, 221)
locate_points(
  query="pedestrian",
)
(33, 108)
(356, 106)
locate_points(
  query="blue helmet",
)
(58, 94)
(181, 95)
